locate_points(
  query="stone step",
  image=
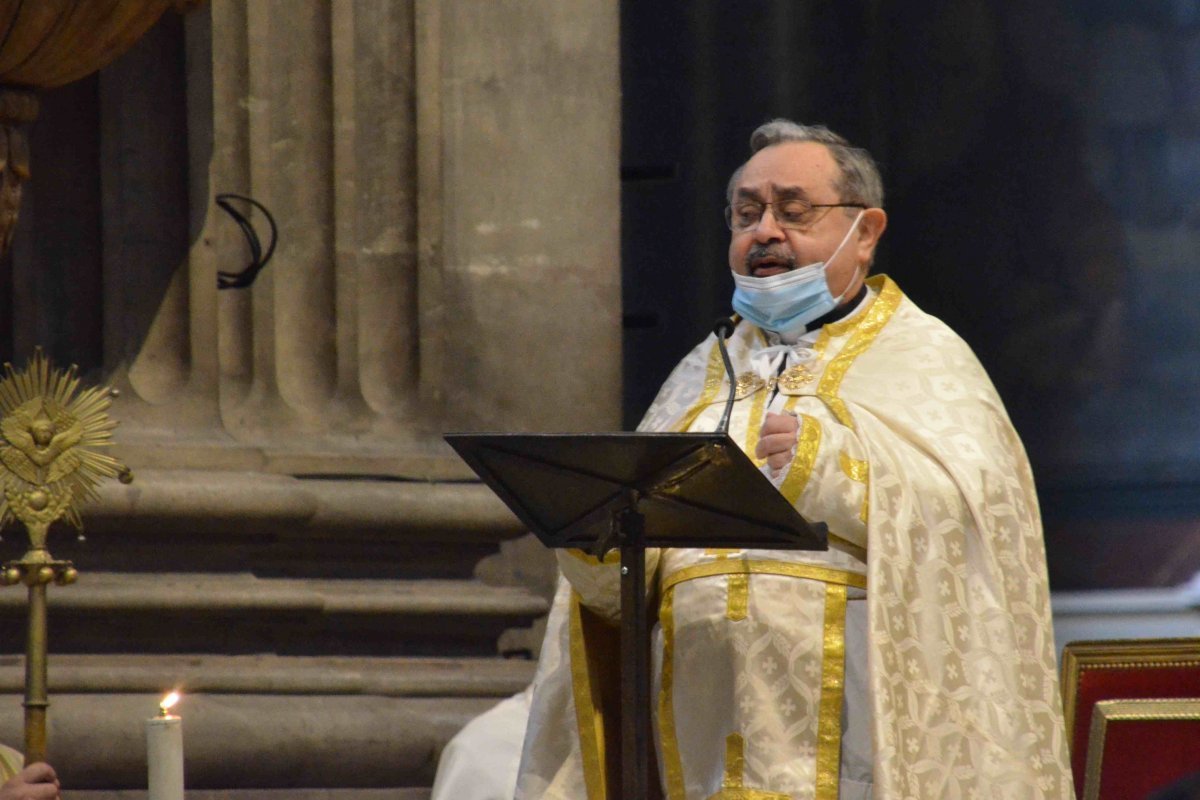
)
(322, 712)
(275, 675)
(283, 525)
(240, 613)
(252, 741)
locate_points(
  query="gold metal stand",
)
(47, 427)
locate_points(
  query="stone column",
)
(444, 176)
(519, 154)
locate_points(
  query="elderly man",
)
(914, 658)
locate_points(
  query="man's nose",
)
(767, 229)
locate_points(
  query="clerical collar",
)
(842, 311)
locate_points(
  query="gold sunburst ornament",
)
(49, 428)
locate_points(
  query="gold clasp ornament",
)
(747, 384)
(795, 378)
(793, 381)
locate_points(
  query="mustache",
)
(774, 252)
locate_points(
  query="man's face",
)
(804, 170)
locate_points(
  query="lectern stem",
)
(635, 659)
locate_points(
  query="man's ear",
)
(870, 228)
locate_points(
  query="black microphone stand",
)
(723, 328)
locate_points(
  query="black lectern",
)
(636, 490)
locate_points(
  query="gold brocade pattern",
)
(742, 793)
(808, 443)
(712, 385)
(833, 681)
(589, 711)
(735, 760)
(794, 715)
(732, 787)
(754, 428)
(857, 470)
(672, 765)
(963, 693)
(742, 566)
(738, 590)
(866, 327)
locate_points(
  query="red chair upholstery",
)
(1139, 747)
(1122, 670)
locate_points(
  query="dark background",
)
(1041, 160)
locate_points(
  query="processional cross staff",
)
(49, 424)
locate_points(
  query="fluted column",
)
(448, 252)
(381, 148)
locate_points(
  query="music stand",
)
(636, 490)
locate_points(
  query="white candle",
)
(164, 753)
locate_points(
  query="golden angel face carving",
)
(40, 434)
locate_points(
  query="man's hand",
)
(35, 782)
(776, 441)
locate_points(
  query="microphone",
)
(723, 327)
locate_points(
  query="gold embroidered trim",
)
(735, 761)
(672, 764)
(822, 342)
(713, 378)
(611, 558)
(741, 566)
(859, 471)
(737, 603)
(808, 442)
(737, 593)
(854, 469)
(867, 326)
(589, 717)
(732, 787)
(833, 665)
(754, 428)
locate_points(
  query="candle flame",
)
(167, 702)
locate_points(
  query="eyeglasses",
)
(794, 214)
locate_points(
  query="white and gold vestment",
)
(935, 578)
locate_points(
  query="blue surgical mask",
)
(786, 303)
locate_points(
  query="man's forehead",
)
(788, 168)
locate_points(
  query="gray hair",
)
(859, 180)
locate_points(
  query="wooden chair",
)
(1137, 748)
(1131, 669)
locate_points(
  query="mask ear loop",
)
(857, 267)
